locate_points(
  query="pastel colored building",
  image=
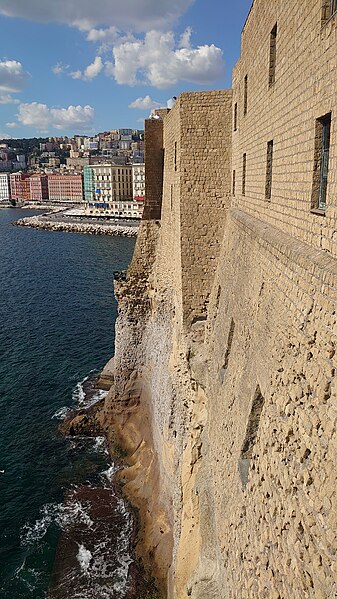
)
(109, 191)
(65, 188)
(4, 187)
(138, 181)
(19, 186)
(38, 188)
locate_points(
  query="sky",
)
(86, 66)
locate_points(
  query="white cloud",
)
(157, 61)
(76, 74)
(7, 99)
(185, 38)
(11, 125)
(145, 103)
(41, 117)
(90, 72)
(93, 69)
(5, 136)
(141, 15)
(12, 76)
(103, 35)
(60, 68)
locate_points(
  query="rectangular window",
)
(235, 115)
(233, 190)
(244, 164)
(175, 155)
(321, 162)
(269, 169)
(272, 55)
(329, 8)
(245, 95)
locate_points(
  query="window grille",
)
(321, 162)
(272, 55)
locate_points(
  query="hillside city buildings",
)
(104, 174)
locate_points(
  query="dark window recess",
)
(228, 351)
(245, 95)
(218, 298)
(244, 164)
(329, 7)
(235, 116)
(175, 155)
(233, 183)
(272, 55)
(171, 196)
(321, 162)
(269, 169)
(251, 435)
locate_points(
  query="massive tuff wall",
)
(285, 112)
(228, 320)
(271, 342)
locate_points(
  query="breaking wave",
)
(61, 514)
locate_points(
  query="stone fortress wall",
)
(236, 334)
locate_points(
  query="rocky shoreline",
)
(36, 222)
(92, 421)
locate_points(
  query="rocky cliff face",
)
(158, 410)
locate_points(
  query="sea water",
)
(57, 315)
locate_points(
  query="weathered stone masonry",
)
(237, 334)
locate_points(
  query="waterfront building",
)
(38, 187)
(19, 186)
(4, 187)
(65, 188)
(108, 191)
(89, 183)
(138, 181)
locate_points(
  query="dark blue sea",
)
(57, 315)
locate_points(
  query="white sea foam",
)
(100, 445)
(63, 515)
(110, 472)
(61, 413)
(98, 396)
(72, 512)
(84, 557)
(78, 393)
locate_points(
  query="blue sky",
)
(84, 66)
